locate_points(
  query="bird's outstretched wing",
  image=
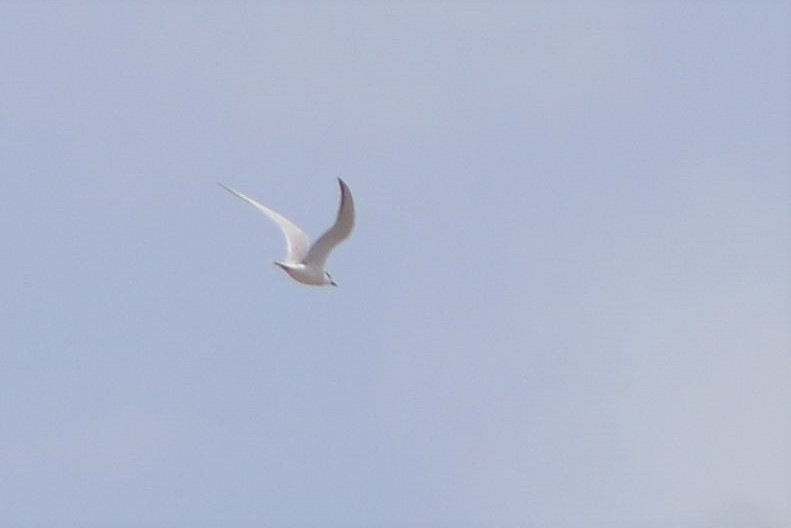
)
(296, 239)
(342, 228)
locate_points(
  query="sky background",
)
(566, 302)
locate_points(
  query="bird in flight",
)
(305, 263)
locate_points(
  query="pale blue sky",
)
(566, 302)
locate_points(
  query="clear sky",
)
(566, 302)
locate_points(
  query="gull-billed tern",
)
(303, 262)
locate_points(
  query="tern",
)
(305, 263)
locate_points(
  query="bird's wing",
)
(337, 233)
(296, 239)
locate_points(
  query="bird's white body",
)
(305, 263)
(305, 274)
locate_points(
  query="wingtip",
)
(229, 189)
(344, 186)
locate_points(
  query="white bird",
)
(305, 263)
